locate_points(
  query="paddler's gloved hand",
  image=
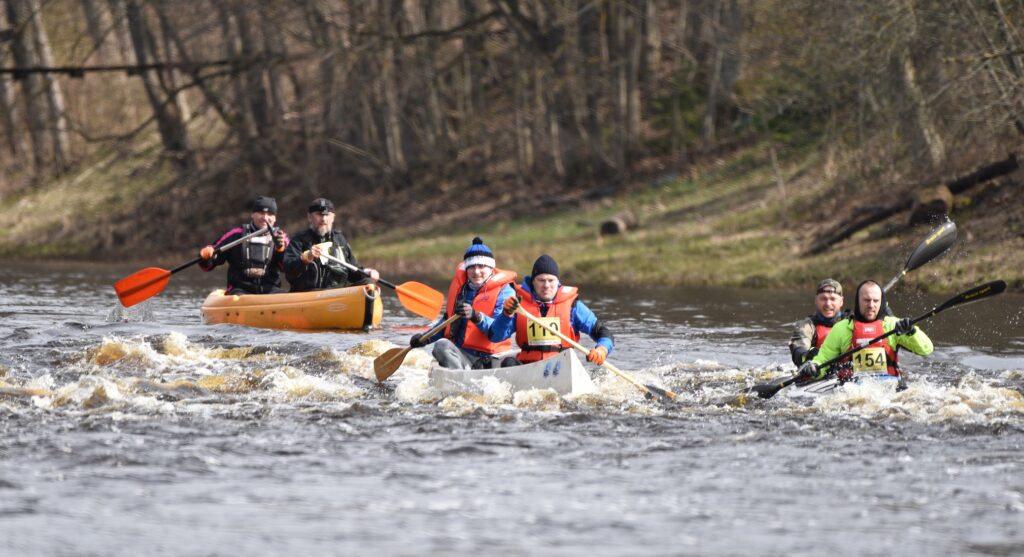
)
(510, 306)
(810, 354)
(597, 355)
(417, 341)
(809, 369)
(207, 253)
(468, 313)
(905, 327)
(280, 240)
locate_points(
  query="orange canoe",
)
(354, 307)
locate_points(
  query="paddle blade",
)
(975, 294)
(420, 299)
(768, 390)
(937, 242)
(387, 364)
(141, 285)
(663, 394)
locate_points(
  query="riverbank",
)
(736, 220)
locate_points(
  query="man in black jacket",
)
(304, 263)
(254, 265)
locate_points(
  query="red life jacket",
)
(869, 359)
(545, 345)
(820, 332)
(485, 301)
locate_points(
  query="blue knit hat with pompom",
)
(478, 254)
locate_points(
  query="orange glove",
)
(510, 306)
(207, 253)
(597, 355)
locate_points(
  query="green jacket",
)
(839, 338)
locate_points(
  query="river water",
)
(146, 432)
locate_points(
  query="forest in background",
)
(162, 117)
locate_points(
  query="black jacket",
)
(240, 260)
(316, 275)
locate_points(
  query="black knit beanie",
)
(545, 265)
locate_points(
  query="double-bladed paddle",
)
(414, 296)
(975, 294)
(143, 285)
(938, 241)
(648, 390)
(387, 364)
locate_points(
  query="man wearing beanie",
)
(867, 322)
(254, 266)
(542, 295)
(477, 293)
(810, 332)
(304, 265)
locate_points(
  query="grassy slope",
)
(722, 227)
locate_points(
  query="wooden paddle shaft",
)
(384, 369)
(582, 349)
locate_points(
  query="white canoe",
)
(563, 373)
(832, 384)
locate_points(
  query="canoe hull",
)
(563, 373)
(354, 307)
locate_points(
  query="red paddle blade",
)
(141, 285)
(420, 299)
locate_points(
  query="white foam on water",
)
(972, 400)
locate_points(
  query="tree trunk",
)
(8, 103)
(388, 28)
(57, 122)
(97, 22)
(32, 86)
(172, 129)
(119, 19)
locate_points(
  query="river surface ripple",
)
(146, 432)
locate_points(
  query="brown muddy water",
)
(145, 432)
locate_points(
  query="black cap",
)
(545, 265)
(321, 205)
(264, 204)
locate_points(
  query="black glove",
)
(905, 327)
(467, 312)
(809, 369)
(810, 354)
(417, 341)
(279, 236)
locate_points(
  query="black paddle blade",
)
(975, 294)
(938, 241)
(661, 393)
(768, 390)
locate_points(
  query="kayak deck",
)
(832, 384)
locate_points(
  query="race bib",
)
(869, 360)
(539, 336)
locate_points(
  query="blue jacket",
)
(583, 321)
(486, 324)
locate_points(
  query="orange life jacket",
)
(485, 301)
(558, 311)
(867, 359)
